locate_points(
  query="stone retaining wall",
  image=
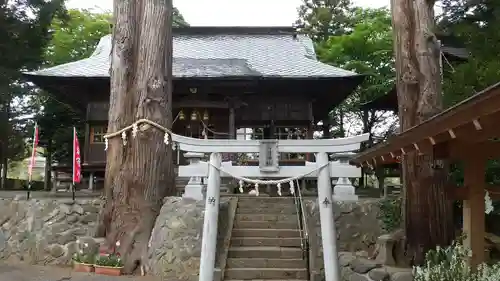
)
(44, 231)
(176, 238)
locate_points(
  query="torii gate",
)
(268, 168)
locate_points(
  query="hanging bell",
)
(194, 115)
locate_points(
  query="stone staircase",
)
(265, 242)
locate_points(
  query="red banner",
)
(33, 152)
(77, 163)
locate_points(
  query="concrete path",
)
(9, 272)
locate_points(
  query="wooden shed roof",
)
(472, 120)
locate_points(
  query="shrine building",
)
(266, 80)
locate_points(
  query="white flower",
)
(85, 245)
(117, 244)
(488, 203)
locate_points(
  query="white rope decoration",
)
(135, 128)
(278, 183)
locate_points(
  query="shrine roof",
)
(473, 120)
(204, 52)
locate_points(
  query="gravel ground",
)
(13, 272)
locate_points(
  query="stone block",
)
(362, 266)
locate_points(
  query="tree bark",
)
(139, 174)
(427, 213)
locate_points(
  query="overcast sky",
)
(231, 12)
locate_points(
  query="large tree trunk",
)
(139, 174)
(428, 217)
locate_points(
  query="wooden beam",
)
(461, 193)
(200, 104)
(473, 209)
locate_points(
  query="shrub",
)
(390, 213)
(80, 257)
(450, 264)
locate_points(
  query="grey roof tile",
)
(220, 55)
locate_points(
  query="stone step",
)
(261, 241)
(287, 207)
(265, 273)
(265, 263)
(271, 233)
(266, 217)
(267, 224)
(267, 210)
(267, 280)
(250, 203)
(265, 252)
(265, 199)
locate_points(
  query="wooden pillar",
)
(326, 129)
(474, 207)
(232, 123)
(86, 143)
(310, 136)
(272, 130)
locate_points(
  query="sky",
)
(230, 12)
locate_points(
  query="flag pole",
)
(73, 174)
(32, 160)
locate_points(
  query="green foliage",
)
(366, 49)
(450, 264)
(24, 28)
(178, 19)
(476, 25)
(80, 257)
(111, 260)
(323, 18)
(76, 37)
(73, 39)
(390, 213)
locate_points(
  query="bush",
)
(390, 213)
(450, 264)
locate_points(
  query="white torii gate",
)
(268, 167)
